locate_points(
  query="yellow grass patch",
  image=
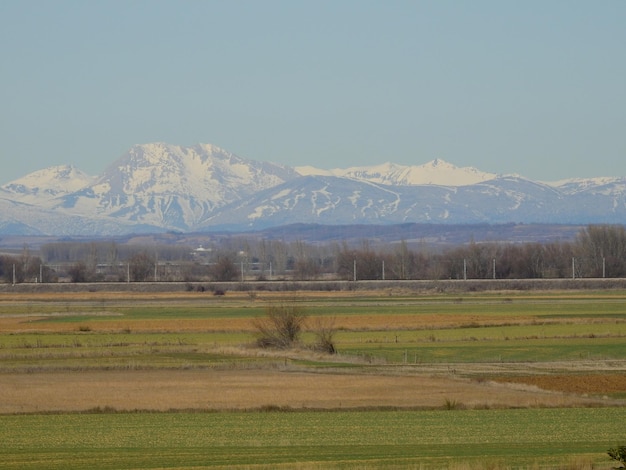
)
(250, 389)
(39, 325)
(31, 323)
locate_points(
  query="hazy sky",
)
(530, 87)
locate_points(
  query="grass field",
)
(172, 380)
(356, 439)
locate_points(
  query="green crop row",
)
(549, 305)
(472, 351)
(357, 439)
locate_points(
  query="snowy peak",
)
(161, 168)
(49, 183)
(607, 185)
(440, 172)
(437, 172)
(312, 171)
(171, 186)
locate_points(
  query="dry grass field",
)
(283, 378)
(258, 389)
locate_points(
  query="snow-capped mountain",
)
(48, 183)
(19, 218)
(172, 187)
(437, 172)
(602, 184)
(340, 200)
(159, 187)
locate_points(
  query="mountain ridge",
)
(158, 187)
(437, 172)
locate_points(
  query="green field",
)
(376, 333)
(371, 439)
(485, 328)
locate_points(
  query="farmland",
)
(496, 379)
(373, 439)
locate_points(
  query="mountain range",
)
(159, 187)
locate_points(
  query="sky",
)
(530, 87)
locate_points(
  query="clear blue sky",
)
(530, 87)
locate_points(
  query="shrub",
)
(619, 454)
(324, 330)
(281, 326)
(452, 404)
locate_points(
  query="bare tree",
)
(79, 272)
(224, 269)
(141, 267)
(602, 246)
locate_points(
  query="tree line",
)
(596, 251)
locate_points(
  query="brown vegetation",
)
(255, 389)
(592, 384)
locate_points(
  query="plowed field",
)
(592, 384)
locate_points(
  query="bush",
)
(281, 326)
(324, 331)
(619, 454)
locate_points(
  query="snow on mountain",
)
(171, 186)
(19, 218)
(43, 185)
(203, 170)
(159, 187)
(339, 200)
(437, 172)
(330, 199)
(577, 185)
(312, 171)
